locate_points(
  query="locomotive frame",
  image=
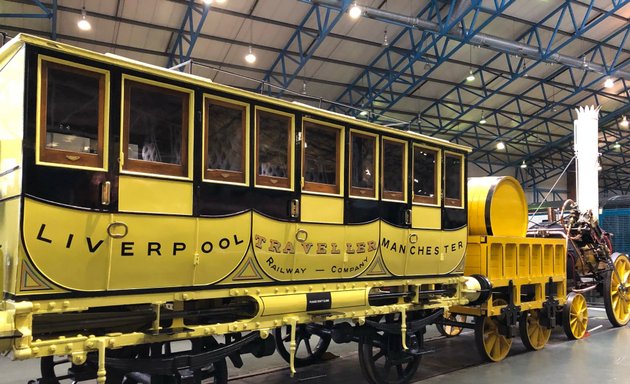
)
(117, 243)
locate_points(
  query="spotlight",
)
(624, 122)
(609, 83)
(84, 24)
(250, 57)
(483, 120)
(617, 145)
(470, 76)
(355, 11)
(523, 165)
(500, 146)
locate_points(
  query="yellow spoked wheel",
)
(491, 343)
(451, 330)
(533, 333)
(575, 316)
(616, 291)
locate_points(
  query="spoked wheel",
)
(451, 330)
(533, 333)
(491, 343)
(312, 341)
(383, 360)
(216, 371)
(575, 316)
(616, 291)
(60, 370)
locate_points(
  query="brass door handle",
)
(106, 192)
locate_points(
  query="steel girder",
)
(523, 145)
(394, 68)
(46, 13)
(188, 33)
(517, 68)
(301, 46)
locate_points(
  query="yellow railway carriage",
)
(141, 206)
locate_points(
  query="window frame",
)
(224, 176)
(426, 200)
(61, 157)
(143, 167)
(320, 188)
(360, 192)
(451, 202)
(273, 182)
(399, 197)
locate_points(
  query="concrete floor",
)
(603, 357)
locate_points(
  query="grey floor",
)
(602, 357)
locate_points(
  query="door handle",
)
(408, 216)
(294, 209)
(106, 192)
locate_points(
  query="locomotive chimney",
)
(585, 146)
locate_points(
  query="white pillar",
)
(586, 148)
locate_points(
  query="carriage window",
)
(155, 127)
(225, 141)
(273, 132)
(425, 163)
(72, 120)
(362, 169)
(321, 158)
(393, 170)
(453, 165)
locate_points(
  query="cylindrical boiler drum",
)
(496, 207)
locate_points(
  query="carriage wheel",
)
(491, 343)
(616, 286)
(575, 316)
(383, 360)
(451, 330)
(311, 343)
(533, 333)
(218, 370)
(59, 370)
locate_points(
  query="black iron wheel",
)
(60, 370)
(312, 341)
(383, 360)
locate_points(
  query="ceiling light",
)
(470, 76)
(523, 165)
(385, 41)
(609, 83)
(500, 146)
(220, 1)
(624, 122)
(250, 57)
(84, 24)
(483, 120)
(363, 113)
(304, 88)
(355, 11)
(207, 2)
(617, 145)
(599, 166)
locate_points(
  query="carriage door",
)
(425, 235)
(395, 207)
(454, 218)
(320, 241)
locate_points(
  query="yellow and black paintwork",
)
(77, 238)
